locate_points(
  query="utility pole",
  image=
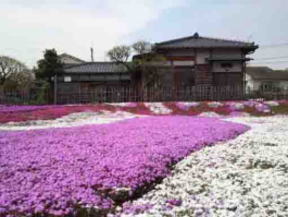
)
(92, 54)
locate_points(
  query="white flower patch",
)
(272, 103)
(158, 108)
(123, 104)
(236, 106)
(247, 176)
(214, 104)
(239, 114)
(210, 114)
(186, 105)
(239, 106)
(71, 120)
(190, 104)
(120, 104)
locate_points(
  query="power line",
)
(271, 62)
(272, 58)
(273, 45)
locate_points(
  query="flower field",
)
(54, 171)
(144, 159)
(233, 108)
(243, 177)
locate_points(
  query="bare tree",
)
(119, 54)
(142, 47)
(20, 80)
(9, 67)
(144, 67)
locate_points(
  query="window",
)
(67, 79)
(226, 65)
(269, 86)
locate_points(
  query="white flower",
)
(158, 108)
(71, 120)
(209, 114)
(272, 103)
(243, 177)
(214, 104)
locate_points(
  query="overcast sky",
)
(28, 27)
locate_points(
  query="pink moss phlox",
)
(129, 208)
(262, 108)
(51, 171)
(174, 202)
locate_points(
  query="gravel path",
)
(246, 177)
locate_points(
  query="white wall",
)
(202, 55)
(251, 84)
(283, 85)
(254, 85)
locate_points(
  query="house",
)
(262, 78)
(87, 76)
(188, 61)
(197, 60)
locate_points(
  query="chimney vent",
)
(196, 35)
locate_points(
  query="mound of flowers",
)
(60, 172)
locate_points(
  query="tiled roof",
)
(96, 67)
(266, 73)
(197, 41)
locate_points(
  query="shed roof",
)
(197, 41)
(96, 67)
(71, 57)
(266, 73)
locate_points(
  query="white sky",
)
(28, 27)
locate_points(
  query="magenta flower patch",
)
(25, 108)
(53, 171)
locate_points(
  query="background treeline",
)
(19, 84)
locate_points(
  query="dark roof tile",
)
(197, 41)
(96, 67)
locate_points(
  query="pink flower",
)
(64, 168)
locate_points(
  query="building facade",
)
(88, 76)
(197, 60)
(187, 62)
(261, 78)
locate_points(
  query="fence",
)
(149, 94)
(162, 94)
(27, 97)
